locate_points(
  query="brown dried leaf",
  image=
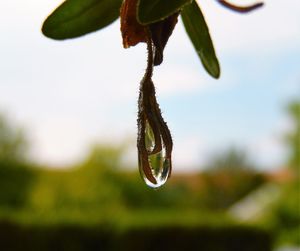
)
(160, 32)
(132, 31)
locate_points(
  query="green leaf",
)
(75, 18)
(150, 11)
(198, 32)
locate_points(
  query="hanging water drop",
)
(154, 140)
(155, 170)
(149, 138)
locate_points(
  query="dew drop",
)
(160, 166)
(149, 138)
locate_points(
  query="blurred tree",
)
(105, 156)
(293, 138)
(286, 217)
(13, 144)
(232, 160)
(16, 181)
(229, 177)
(15, 176)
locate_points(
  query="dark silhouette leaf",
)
(198, 32)
(75, 18)
(150, 11)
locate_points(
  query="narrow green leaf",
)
(75, 18)
(150, 11)
(198, 32)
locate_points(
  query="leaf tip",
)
(216, 72)
(44, 29)
(48, 30)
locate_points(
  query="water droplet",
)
(149, 138)
(159, 165)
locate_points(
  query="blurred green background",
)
(98, 204)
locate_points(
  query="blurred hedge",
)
(16, 181)
(77, 238)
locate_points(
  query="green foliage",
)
(98, 206)
(96, 193)
(231, 160)
(98, 188)
(228, 178)
(72, 237)
(13, 144)
(224, 188)
(293, 138)
(150, 11)
(198, 32)
(15, 184)
(286, 216)
(104, 156)
(75, 18)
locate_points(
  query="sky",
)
(70, 94)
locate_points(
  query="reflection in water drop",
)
(159, 164)
(149, 138)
